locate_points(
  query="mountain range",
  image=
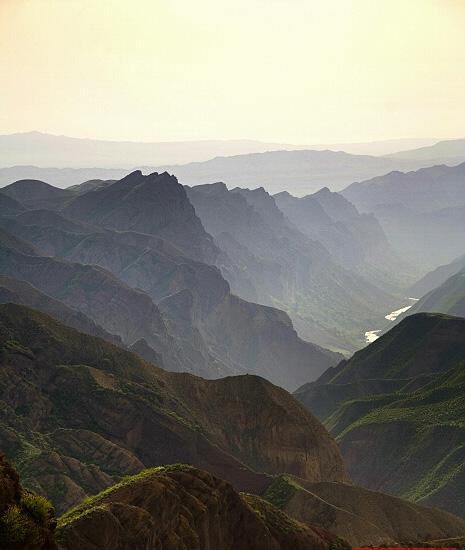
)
(81, 413)
(135, 275)
(330, 290)
(422, 213)
(149, 332)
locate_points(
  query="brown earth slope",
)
(183, 508)
(360, 516)
(79, 413)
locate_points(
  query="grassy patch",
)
(281, 491)
(94, 501)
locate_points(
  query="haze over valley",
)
(232, 275)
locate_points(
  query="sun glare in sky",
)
(299, 71)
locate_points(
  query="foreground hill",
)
(79, 413)
(181, 507)
(397, 410)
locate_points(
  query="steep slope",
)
(19, 292)
(116, 307)
(449, 297)
(268, 260)
(9, 206)
(299, 172)
(435, 278)
(360, 516)
(428, 239)
(179, 506)
(155, 204)
(217, 331)
(27, 521)
(397, 409)
(79, 413)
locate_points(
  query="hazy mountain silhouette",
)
(267, 259)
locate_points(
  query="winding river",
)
(372, 335)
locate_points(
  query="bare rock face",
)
(278, 437)
(187, 509)
(26, 520)
(155, 204)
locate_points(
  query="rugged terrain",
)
(397, 410)
(268, 259)
(188, 509)
(360, 516)
(197, 324)
(79, 413)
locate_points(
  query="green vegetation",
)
(36, 506)
(281, 491)
(16, 347)
(95, 501)
(27, 524)
(403, 396)
(274, 519)
(14, 526)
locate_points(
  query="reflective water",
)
(372, 335)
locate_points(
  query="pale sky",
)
(296, 71)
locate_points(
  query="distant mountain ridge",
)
(269, 259)
(450, 151)
(44, 150)
(300, 172)
(147, 271)
(421, 212)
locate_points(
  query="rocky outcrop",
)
(184, 508)
(155, 204)
(276, 438)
